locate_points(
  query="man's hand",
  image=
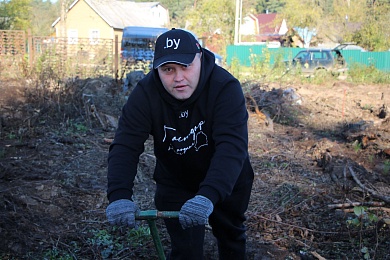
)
(195, 211)
(122, 213)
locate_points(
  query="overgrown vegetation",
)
(53, 191)
(364, 22)
(359, 73)
(52, 168)
(262, 70)
(363, 221)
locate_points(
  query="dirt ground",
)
(322, 165)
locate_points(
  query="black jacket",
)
(200, 144)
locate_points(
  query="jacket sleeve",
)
(230, 134)
(133, 130)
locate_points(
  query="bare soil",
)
(324, 152)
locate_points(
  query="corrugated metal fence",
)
(381, 60)
(246, 55)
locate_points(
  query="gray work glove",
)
(122, 213)
(195, 211)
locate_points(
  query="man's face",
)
(181, 81)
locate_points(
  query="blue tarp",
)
(140, 32)
(306, 35)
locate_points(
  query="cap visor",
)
(182, 59)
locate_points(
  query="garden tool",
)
(151, 216)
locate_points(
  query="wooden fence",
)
(66, 57)
(12, 52)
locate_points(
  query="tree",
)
(374, 34)
(213, 20)
(339, 19)
(361, 21)
(4, 17)
(270, 6)
(15, 14)
(43, 14)
(303, 15)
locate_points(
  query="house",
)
(262, 28)
(105, 19)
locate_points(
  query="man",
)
(196, 113)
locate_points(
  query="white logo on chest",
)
(184, 114)
(195, 139)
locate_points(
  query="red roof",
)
(266, 23)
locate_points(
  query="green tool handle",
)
(155, 214)
(151, 216)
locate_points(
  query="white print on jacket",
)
(196, 138)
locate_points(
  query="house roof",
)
(148, 4)
(119, 14)
(266, 23)
(262, 28)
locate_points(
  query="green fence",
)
(250, 54)
(381, 60)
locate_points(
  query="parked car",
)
(311, 62)
(349, 46)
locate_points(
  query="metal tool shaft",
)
(155, 214)
(151, 216)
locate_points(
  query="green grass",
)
(359, 73)
(262, 70)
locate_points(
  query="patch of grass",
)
(357, 146)
(106, 243)
(110, 244)
(367, 107)
(57, 254)
(2, 153)
(235, 67)
(80, 127)
(11, 136)
(363, 220)
(360, 73)
(386, 169)
(261, 69)
(138, 236)
(75, 127)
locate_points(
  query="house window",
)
(73, 37)
(94, 36)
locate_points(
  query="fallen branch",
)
(317, 255)
(108, 140)
(368, 209)
(372, 192)
(86, 140)
(299, 227)
(354, 204)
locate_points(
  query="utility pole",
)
(62, 20)
(237, 37)
(240, 23)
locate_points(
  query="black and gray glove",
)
(122, 213)
(195, 211)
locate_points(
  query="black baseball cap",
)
(175, 46)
